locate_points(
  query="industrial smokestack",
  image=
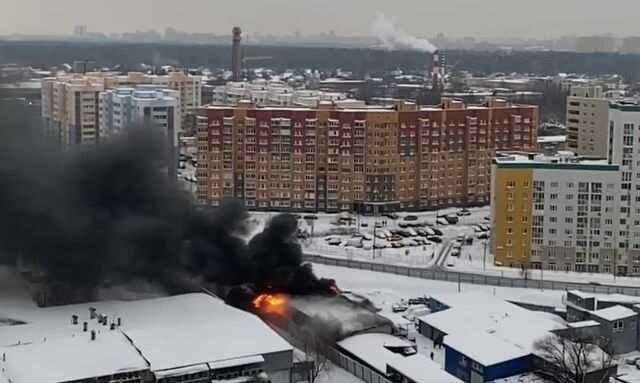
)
(119, 322)
(236, 55)
(93, 335)
(85, 326)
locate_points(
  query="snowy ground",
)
(386, 289)
(472, 259)
(418, 256)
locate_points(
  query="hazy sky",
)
(482, 18)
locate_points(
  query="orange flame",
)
(270, 303)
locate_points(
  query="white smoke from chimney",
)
(390, 37)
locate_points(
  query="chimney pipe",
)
(85, 326)
(236, 54)
(74, 319)
(4, 357)
(93, 335)
(119, 321)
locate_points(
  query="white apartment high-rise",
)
(70, 107)
(571, 213)
(125, 108)
(587, 121)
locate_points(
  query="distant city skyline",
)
(543, 19)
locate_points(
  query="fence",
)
(470, 278)
(355, 368)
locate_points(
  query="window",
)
(618, 326)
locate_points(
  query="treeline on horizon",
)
(359, 61)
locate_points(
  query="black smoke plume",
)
(108, 215)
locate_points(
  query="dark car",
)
(437, 231)
(411, 218)
(391, 215)
(310, 217)
(435, 239)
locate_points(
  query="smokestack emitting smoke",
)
(107, 214)
(391, 37)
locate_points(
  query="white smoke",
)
(385, 30)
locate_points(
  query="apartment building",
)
(124, 108)
(555, 212)
(274, 92)
(70, 106)
(587, 121)
(374, 159)
(578, 214)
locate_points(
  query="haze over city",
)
(519, 18)
(319, 191)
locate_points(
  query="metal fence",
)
(470, 278)
(355, 368)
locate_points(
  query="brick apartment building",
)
(339, 159)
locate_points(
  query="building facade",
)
(374, 159)
(71, 108)
(587, 121)
(125, 108)
(558, 213)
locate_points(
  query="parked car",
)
(381, 245)
(455, 253)
(422, 232)
(367, 236)
(442, 221)
(411, 218)
(379, 234)
(387, 233)
(397, 244)
(435, 239)
(403, 225)
(310, 217)
(484, 235)
(460, 238)
(452, 219)
(463, 212)
(378, 225)
(437, 231)
(335, 242)
(405, 233)
(477, 228)
(412, 232)
(354, 242)
(391, 215)
(364, 224)
(487, 218)
(399, 307)
(484, 227)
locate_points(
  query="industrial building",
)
(193, 337)
(487, 339)
(373, 159)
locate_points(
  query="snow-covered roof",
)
(484, 348)
(370, 348)
(169, 332)
(495, 320)
(581, 324)
(72, 358)
(351, 317)
(614, 313)
(550, 139)
(421, 369)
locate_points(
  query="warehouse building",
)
(193, 337)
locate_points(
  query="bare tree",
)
(569, 358)
(316, 350)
